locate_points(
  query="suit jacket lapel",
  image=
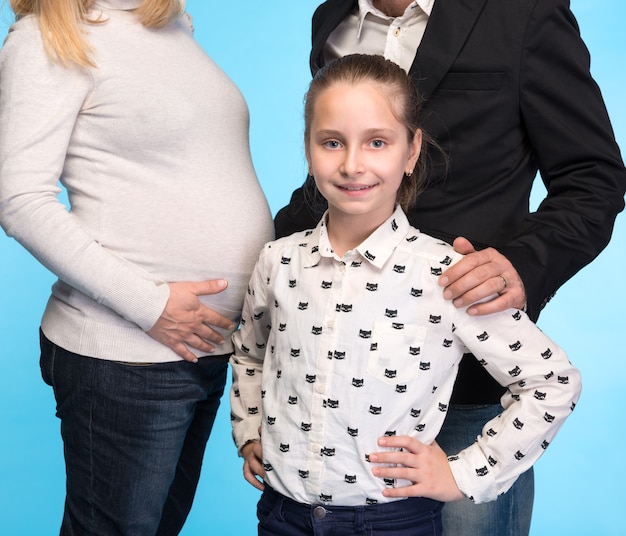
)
(336, 11)
(451, 21)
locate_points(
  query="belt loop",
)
(279, 508)
(359, 526)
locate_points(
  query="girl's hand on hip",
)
(426, 466)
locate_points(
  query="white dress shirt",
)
(370, 31)
(334, 353)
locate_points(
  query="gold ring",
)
(503, 280)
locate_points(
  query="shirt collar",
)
(375, 249)
(413, 10)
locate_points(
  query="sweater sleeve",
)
(543, 388)
(40, 100)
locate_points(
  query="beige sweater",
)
(152, 148)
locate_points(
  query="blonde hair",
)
(60, 21)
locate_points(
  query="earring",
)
(408, 173)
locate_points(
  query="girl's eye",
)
(378, 144)
(332, 144)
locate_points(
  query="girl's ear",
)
(415, 148)
(307, 155)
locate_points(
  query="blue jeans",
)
(134, 437)
(280, 516)
(510, 514)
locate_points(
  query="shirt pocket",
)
(395, 352)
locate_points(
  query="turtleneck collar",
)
(119, 4)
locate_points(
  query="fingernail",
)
(443, 281)
(447, 295)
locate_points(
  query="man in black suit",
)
(507, 93)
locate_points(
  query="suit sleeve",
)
(304, 211)
(579, 161)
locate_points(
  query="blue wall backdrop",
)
(263, 46)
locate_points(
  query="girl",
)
(150, 139)
(347, 352)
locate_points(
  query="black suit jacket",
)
(507, 92)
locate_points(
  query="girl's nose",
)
(352, 164)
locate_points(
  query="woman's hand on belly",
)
(187, 323)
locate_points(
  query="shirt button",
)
(397, 32)
(319, 512)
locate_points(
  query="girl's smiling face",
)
(358, 151)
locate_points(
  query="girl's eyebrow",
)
(381, 130)
(368, 132)
(327, 132)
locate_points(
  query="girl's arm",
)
(543, 388)
(250, 342)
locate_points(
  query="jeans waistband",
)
(413, 506)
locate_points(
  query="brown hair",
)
(405, 103)
(60, 20)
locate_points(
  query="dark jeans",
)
(134, 437)
(510, 514)
(280, 516)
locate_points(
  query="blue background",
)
(264, 47)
